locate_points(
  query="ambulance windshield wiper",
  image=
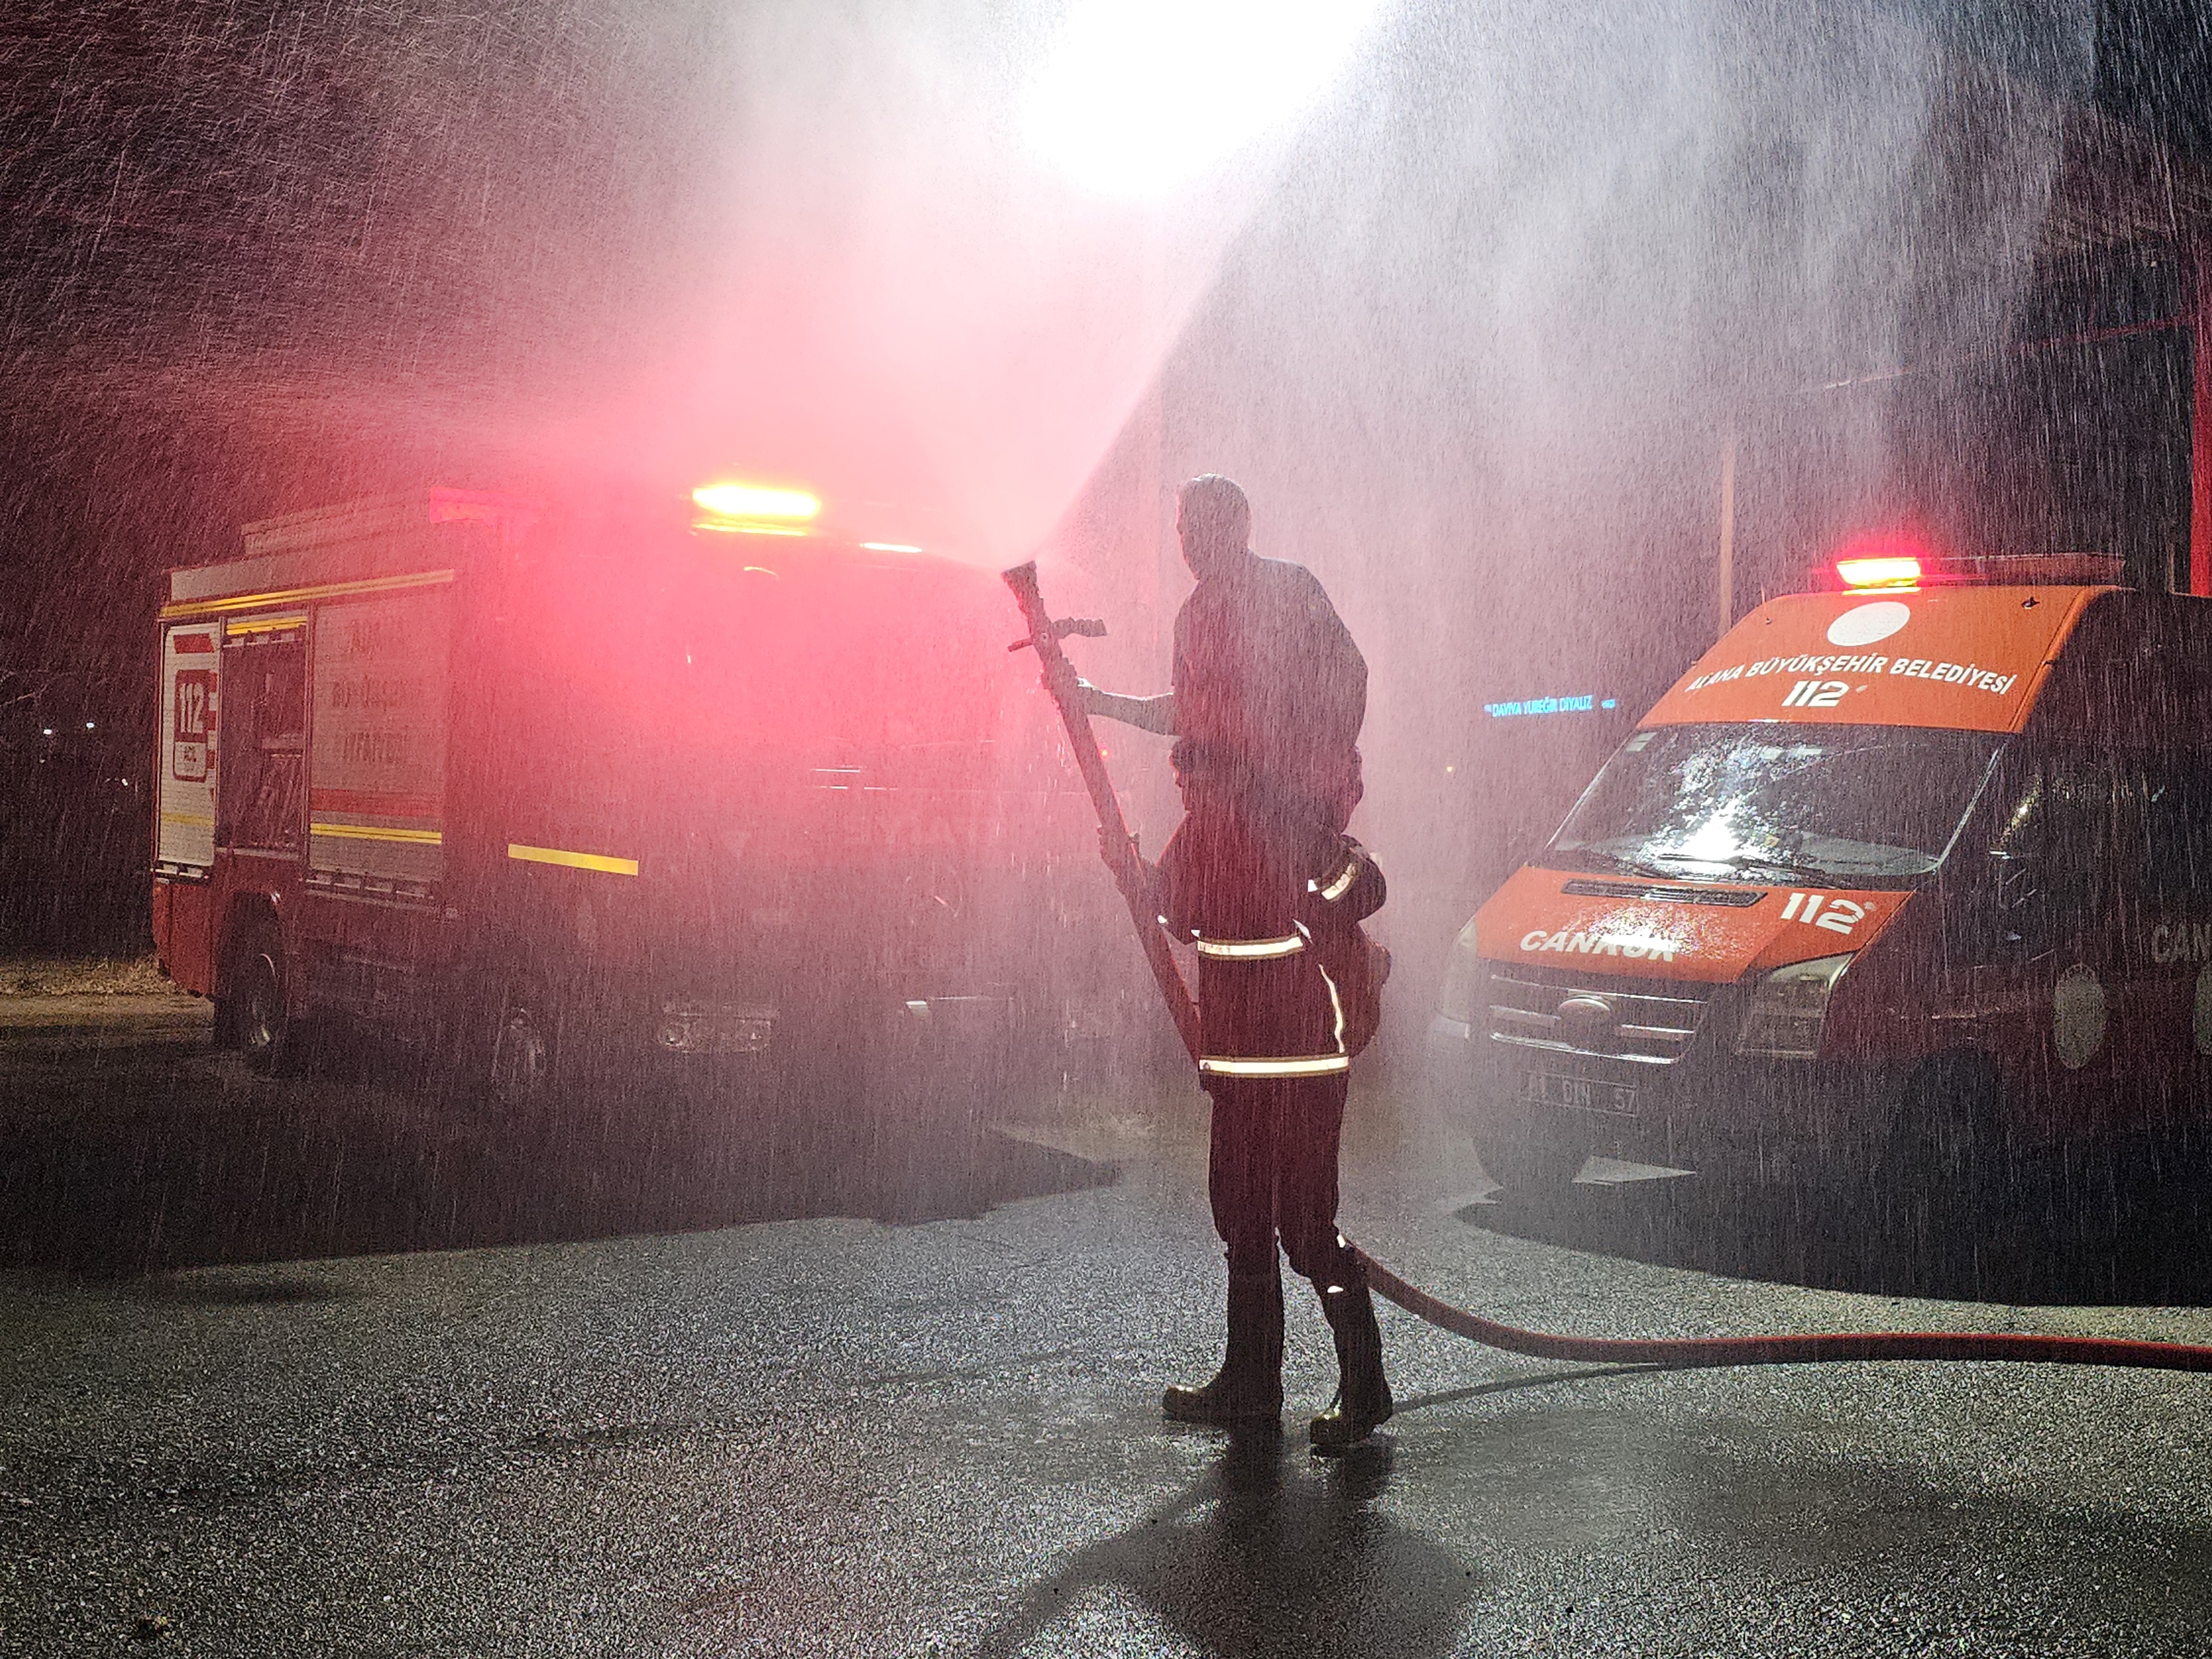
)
(1625, 866)
(1745, 863)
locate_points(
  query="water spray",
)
(1680, 1354)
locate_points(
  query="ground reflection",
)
(127, 1143)
(1270, 1552)
(2121, 1224)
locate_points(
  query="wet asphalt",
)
(340, 1366)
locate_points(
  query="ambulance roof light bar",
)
(1896, 572)
(1891, 572)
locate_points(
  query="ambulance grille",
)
(1647, 1027)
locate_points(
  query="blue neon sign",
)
(1581, 705)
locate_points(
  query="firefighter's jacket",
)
(1270, 696)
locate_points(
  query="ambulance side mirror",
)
(2014, 880)
(2014, 901)
(1997, 909)
(2009, 890)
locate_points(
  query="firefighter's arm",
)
(1155, 715)
(1138, 878)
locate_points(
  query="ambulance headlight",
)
(1465, 978)
(1788, 1008)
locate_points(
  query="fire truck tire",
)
(259, 1015)
(521, 1063)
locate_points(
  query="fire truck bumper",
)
(694, 1029)
(692, 1025)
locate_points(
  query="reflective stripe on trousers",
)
(1250, 950)
(1299, 1066)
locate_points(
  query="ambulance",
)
(1902, 879)
(603, 790)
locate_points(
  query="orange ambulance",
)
(1905, 878)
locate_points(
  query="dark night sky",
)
(232, 232)
(253, 255)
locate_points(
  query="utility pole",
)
(1726, 573)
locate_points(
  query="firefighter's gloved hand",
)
(1131, 874)
(1060, 678)
(1065, 683)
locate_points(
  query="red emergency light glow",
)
(1891, 572)
(1885, 558)
(745, 501)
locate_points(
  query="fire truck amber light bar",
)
(600, 861)
(743, 501)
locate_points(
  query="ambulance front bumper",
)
(1702, 1108)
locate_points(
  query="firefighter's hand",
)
(1131, 873)
(1062, 681)
(1071, 689)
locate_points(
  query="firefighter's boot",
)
(1247, 1393)
(1363, 1402)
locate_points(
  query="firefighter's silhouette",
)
(1269, 694)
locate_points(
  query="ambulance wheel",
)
(521, 1065)
(1535, 1170)
(1945, 1161)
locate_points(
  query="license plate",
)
(1578, 1094)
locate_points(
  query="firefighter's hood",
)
(1604, 924)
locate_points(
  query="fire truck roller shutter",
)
(377, 785)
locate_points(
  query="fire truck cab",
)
(1897, 878)
(584, 791)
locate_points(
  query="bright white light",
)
(891, 547)
(744, 501)
(1141, 97)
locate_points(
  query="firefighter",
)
(1269, 694)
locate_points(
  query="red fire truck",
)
(566, 791)
(1906, 878)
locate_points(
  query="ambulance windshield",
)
(1872, 805)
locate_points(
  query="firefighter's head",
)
(1215, 522)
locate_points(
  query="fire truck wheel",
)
(262, 1018)
(522, 1049)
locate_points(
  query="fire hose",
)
(1119, 852)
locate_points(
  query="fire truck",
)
(1902, 877)
(594, 791)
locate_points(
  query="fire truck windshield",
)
(816, 665)
(1864, 805)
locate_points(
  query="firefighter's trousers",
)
(1275, 1068)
